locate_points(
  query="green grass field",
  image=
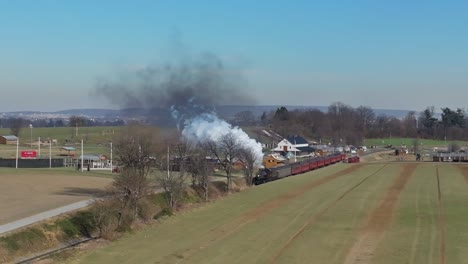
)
(94, 135)
(364, 213)
(96, 140)
(409, 142)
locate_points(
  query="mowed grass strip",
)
(379, 220)
(414, 234)
(260, 241)
(333, 233)
(454, 194)
(189, 236)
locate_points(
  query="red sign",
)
(28, 154)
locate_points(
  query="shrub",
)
(105, 218)
(28, 238)
(165, 212)
(147, 210)
(125, 221)
(84, 222)
(68, 228)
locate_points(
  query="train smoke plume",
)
(188, 88)
(208, 127)
(188, 93)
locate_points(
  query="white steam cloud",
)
(208, 127)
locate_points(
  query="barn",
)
(8, 140)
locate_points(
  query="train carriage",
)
(272, 174)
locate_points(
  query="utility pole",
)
(82, 155)
(168, 175)
(31, 127)
(50, 153)
(111, 156)
(17, 150)
(295, 151)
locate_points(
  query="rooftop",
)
(10, 137)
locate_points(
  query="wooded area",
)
(343, 124)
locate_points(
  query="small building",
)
(295, 145)
(273, 160)
(285, 146)
(8, 140)
(67, 151)
(94, 162)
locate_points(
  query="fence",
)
(454, 157)
(31, 163)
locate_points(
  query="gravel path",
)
(43, 216)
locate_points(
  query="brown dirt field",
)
(23, 195)
(378, 220)
(221, 232)
(381, 156)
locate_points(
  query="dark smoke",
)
(179, 91)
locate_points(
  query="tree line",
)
(343, 124)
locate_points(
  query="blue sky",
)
(385, 54)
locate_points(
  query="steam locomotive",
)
(267, 175)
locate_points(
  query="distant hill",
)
(90, 112)
(226, 111)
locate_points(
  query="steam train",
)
(267, 175)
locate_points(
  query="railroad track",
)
(53, 251)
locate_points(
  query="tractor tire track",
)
(314, 218)
(442, 225)
(378, 220)
(223, 231)
(464, 171)
(416, 238)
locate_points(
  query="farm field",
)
(96, 140)
(346, 213)
(410, 141)
(25, 192)
(94, 135)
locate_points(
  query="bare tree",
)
(226, 151)
(409, 124)
(16, 124)
(200, 170)
(105, 216)
(136, 151)
(248, 158)
(76, 121)
(416, 146)
(365, 118)
(129, 188)
(173, 177)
